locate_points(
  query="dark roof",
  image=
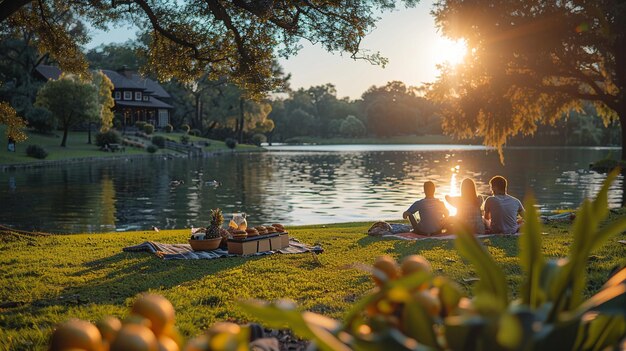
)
(120, 81)
(150, 86)
(48, 72)
(152, 103)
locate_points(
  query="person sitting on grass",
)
(468, 205)
(501, 209)
(432, 212)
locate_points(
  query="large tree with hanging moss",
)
(531, 62)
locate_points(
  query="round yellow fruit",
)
(76, 334)
(387, 266)
(157, 309)
(415, 263)
(109, 326)
(167, 344)
(134, 337)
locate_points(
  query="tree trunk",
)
(241, 116)
(65, 131)
(89, 133)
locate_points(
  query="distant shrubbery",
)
(36, 151)
(184, 139)
(41, 120)
(140, 124)
(231, 143)
(158, 141)
(109, 137)
(148, 128)
(169, 128)
(258, 139)
(152, 148)
(195, 132)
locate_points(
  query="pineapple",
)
(217, 218)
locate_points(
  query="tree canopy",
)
(531, 62)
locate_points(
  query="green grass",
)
(51, 279)
(406, 139)
(77, 147)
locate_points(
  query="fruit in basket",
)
(158, 310)
(217, 218)
(76, 334)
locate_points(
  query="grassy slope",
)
(88, 276)
(77, 147)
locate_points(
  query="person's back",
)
(431, 212)
(502, 209)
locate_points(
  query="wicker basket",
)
(206, 244)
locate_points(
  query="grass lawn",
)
(77, 147)
(46, 280)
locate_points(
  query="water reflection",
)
(288, 186)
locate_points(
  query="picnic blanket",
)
(403, 232)
(185, 252)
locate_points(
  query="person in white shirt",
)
(431, 211)
(502, 210)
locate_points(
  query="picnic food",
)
(76, 334)
(239, 234)
(157, 309)
(134, 337)
(217, 218)
(270, 229)
(415, 263)
(252, 232)
(261, 229)
(279, 227)
(385, 267)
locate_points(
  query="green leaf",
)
(418, 324)
(463, 332)
(449, 293)
(601, 203)
(603, 235)
(603, 331)
(531, 257)
(510, 331)
(492, 280)
(610, 300)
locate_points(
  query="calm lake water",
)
(292, 185)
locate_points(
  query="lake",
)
(293, 185)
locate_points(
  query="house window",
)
(128, 95)
(146, 98)
(118, 95)
(163, 118)
(138, 95)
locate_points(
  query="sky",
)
(407, 37)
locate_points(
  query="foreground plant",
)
(413, 310)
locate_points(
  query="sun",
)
(450, 51)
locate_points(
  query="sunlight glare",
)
(453, 192)
(452, 52)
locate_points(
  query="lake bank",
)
(47, 280)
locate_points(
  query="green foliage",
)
(109, 137)
(352, 127)
(184, 139)
(169, 128)
(152, 148)
(148, 128)
(195, 132)
(140, 124)
(159, 141)
(36, 151)
(230, 143)
(185, 128)
(420, 312)
(105, 100)
(41, 120)
(258, 139)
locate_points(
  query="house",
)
(136, 98)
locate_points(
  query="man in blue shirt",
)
(431, 211)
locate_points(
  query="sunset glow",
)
(452, 52)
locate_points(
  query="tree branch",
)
(9, 7)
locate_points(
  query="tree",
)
(352, 126)
(71, 101)
(105, 100)
(235, 39)
(531, 62)
(15, 124)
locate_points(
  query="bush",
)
(140, 124)
(148, 128)
(41, 120)
(195, 132)
(185, 128)
(152, 148)
(169, 128)
(159, 141)
(184, 139)
(36, 151)
(258, 139)
(231, 143)
(109, 137)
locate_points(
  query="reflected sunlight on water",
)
(307, 185)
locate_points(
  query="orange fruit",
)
(386, 266)
(109, 326)
(134, 337)
(157, 309)
(431, 303)
(415, 263)
(76, 334)
(167, 344)
(224, 328)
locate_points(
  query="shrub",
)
(36, 151)
(412, 307)
(185, 128)
(184, 139)
(41, 120)
(152, 148)
(231, 143)
(159, 141)
(148, 128)
(258, 139)
(140, 124)
(195, 132)
(109, 137)
(169, 128)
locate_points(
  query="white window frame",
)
(118, 95)
(128, 95)
(137, 96)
